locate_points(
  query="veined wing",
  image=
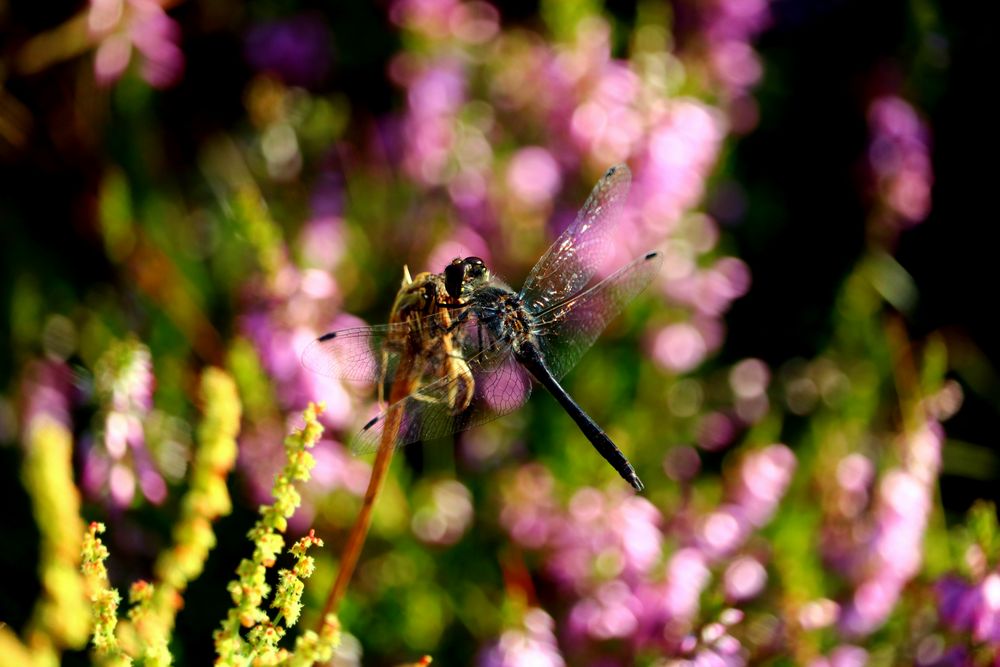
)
(371, 354)
(566, 330)
(569, 264)
(501, 387)
(354, 354)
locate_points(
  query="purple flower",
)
(529, 508)
(532, 644)
(763, 478)
(843, 656)
(679, 347)
(611, 613)
(124, 381)
(889, 553)
(687, 576)
(47, 385)
(296, 49)
(120, 25)
(533, 176)
(436, 91)
(899, 157)
(744, 579)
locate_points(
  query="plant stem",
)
(359, 531)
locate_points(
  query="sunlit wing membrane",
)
(569, 264)
(566, 330)
(351, 354)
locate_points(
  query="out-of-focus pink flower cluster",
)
(605, 552)
(726, 30)
(900, 161)
(288, 308)
(47, 388)
(119, 26)
(532, 644)
(469, 118)
(874, 533)
(969, 605)
(972, 607)
(122, 463)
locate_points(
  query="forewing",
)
(354, 354)
(501, 386)
(569, 264)
(371, 354)
(567, 330)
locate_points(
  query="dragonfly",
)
(483, 345)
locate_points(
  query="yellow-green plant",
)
(59, 619)
(249, 590)
(153, 606)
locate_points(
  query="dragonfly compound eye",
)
(475, 268)
(454, 277)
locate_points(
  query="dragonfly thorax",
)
(501, 311)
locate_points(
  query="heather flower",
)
(744, 579)
(296, 49)
(606, 536)
(529, 508)
(321, 242)
(845, 655)
(612, 612)
(121, 25)
(899, 157)
(723, 36)
(971, 607)
(533, 176)
(123, 378)
(436, 92)
(892, 553)
(761, 482)
(679, 347)
(607, 552)
(48, 389)
(533, 643)
(687, 576)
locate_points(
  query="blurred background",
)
(807, 390)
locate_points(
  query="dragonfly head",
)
(463, 274)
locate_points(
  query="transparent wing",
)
(500, 385)
(566, 330)
(571, 261)
(355, 354)
(371, 354)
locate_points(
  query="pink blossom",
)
(121, 25)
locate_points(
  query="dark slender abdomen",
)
(531, 358)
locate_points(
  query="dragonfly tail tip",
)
(636, 483)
